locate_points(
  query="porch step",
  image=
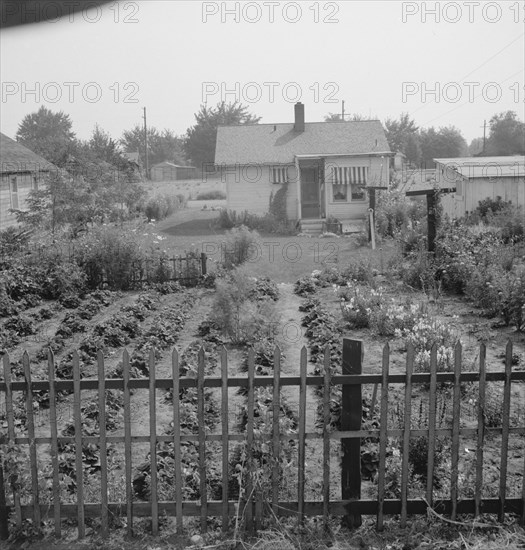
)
(312, 227)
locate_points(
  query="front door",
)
(310, 195)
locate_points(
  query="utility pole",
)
(146, 144)
(484, 135)
(343, 111)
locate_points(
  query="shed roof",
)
(15, 157)
(485, 167)
(280, 143)
(171, 165)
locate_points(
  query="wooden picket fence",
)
(252, 509)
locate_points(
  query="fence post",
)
(204, 259)
(4, 523)
(351, 414)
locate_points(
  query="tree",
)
(162, 146)
(103, 147)
(333, 117)
(199, 143)
(476, 147)
(353, 117)
(507, 135)
(48, 134)
(413, 149)
(398, 131)
(446, 142)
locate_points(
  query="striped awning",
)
(349, 175)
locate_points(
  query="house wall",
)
(473, 191)
(250, 187)
(378, 174)
(25, 184)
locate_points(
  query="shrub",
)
(211, 195)
(268, 223)
(239, 244)
(395, 211)
(241, 318)
(109, 255)
(162, 206)
(489, 206)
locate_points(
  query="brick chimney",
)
(299, 117)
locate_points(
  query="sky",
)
(445, 63)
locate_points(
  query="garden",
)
(83, 295)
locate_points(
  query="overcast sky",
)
(445, 63)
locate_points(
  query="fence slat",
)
(249, 441)
(383, 438)
(4, 514)
(431, 441)
(153, 445)
(276, 441)
(11, 433)
(406, 435)
(202, 440)
(456, 411)
(481, 429)
(54, 442)
(104, 516)
(128, 456)
(33, 464)
(351, 417)
(79, 467)
(505, 430)
(326, 437)
(225, 442)
(176, 439)
(301, 431)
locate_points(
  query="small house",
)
(325, 166)
(479, 178)
(21, 170)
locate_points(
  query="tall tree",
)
(199, 143)
(398, 131)
(446, 142)
(48, 134)
(413, 149)
(162, 146)
(476, 147)
(507, 135)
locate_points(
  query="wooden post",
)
(372, 207)
(351, 415)
(4, 523)
(203, 263)
(431, 219)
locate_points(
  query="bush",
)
(268, 223)
(109, 255)
(395, 211)
(162, 206)
(239, 245)
(211, 195)
(241, 317)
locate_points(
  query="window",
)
(34, 185)
(459, 189)
(14, 193)
(279, 174)
(344, 177)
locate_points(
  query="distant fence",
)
(250, 505)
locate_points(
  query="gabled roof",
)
(15, 157)
(485, 167)
(280, 143)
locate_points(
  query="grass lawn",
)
(282, 258)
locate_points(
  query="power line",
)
(478, 67)
(466, 102)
